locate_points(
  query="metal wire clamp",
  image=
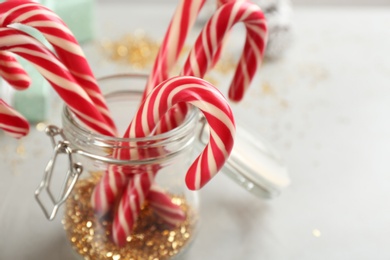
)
(74, 170)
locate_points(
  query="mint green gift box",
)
(77, 14)
(34, 103)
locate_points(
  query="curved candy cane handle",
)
(182, 21)
(56, 32)
(216, 110)
(202, 56)
(208, 45)
(56, 74)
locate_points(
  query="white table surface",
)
(326, 109)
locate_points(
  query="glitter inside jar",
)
(151, 237)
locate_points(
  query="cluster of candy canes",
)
(207, 99)
(202, 57)
(86, 101)
(182, 21)
(70, 75)
(77, 86)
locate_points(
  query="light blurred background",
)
(304, 2)
(342, 2)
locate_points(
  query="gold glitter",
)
(151, 238)
(176, 201)
(137, 50)
(316, 233)
(226, 64)
(40, 127)
(267, 89)
(20, 149)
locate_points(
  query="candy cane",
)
(113, 182)
(200, 58)
(162, 204)
(207, 50)
(108, 189)
(130, 205)
(61, 38)
(12, 72)
(182, 21)
(57, 75)
(217, 112)
(141, 188)
(173, 42)
(12, 122)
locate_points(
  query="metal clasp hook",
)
(204, 131)
(74, 170)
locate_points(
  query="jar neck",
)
(143, 150)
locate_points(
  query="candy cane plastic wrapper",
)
(12, 122)
(61, 38)
(56, 74)
(201, 56)
(12, 72)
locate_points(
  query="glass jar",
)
(91, 234)
(253, 164)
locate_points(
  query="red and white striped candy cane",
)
(162, 204)
(181, 23)
(108, 190)
(217, 112)
(62, 39)
(56, 74)
(201, 56)
(114, 181)
(12, 122)
(139, 189)
(211, 102)
(174, 39)
(130, 205)
(12, 72)
(207, 48)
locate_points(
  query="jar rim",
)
(177, 132)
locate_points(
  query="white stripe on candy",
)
(12, 122)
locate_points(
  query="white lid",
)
(255, 165)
